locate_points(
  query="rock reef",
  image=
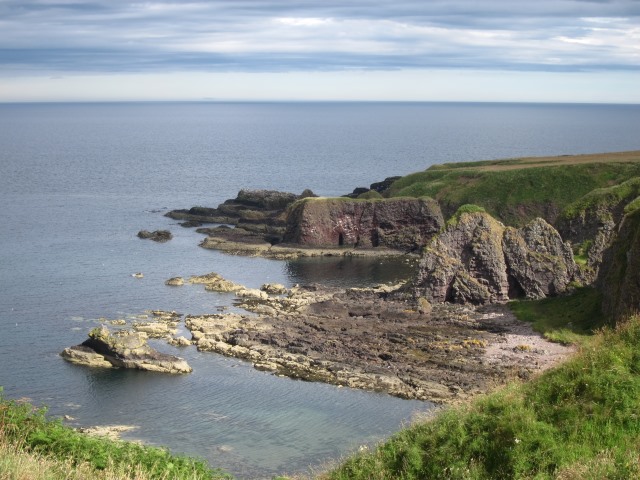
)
(372, 338)
(123, 349)
(159, 236)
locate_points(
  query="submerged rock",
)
(123, 350)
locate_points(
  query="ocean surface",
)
(78, 181)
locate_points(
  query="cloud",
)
(276, 36)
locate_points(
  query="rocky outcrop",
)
(619, 278)
(590, 223)
(160, 236)
(258, 211)
(123, 349)
(539, 262)
(378, 187)
(400, 223)
(465, 264)
(478, 260)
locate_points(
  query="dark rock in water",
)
(478, 260)
(157, 235)
(191, 224)
(400, 223)
(260, 211)
(123, 350)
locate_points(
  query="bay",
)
(77, 181)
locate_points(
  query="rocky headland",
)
(532, 231)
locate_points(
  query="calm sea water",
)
(77, 182)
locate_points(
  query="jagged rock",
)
(175, 282)
(157, 235)
(260, 212)
(539, 263)
(378, 187)
(216, 283)
(400, 223)
(274, 289)
(180, 341)
(123, 350)
(155, 329)
(478, 260)
(619, 278)
(590, 223)
(465, 263)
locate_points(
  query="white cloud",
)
(96, 39)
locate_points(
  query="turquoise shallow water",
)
(77, 181)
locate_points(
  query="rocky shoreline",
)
(446, 334)
(377, 339)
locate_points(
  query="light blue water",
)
(77, 182)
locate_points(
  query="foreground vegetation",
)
(577, 421)
(34, 447)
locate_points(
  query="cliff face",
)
(479, 260)
(619, 279)
(401, 223)
(590, 223)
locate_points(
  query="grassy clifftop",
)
(518, 190)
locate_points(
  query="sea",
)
(79, 180)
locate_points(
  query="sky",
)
(345, 50)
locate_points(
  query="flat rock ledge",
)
(376, 339)
(123, 349)
(237, 241)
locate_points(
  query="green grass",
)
(467, 208)
(513, 195)
(33, 434)
(604, 198)
(579, 420)
(569, 319)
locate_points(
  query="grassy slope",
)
(50, 450)
(577, 421)
(517, 190)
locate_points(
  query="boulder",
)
(123, 349)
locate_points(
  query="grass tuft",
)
(31, 440)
